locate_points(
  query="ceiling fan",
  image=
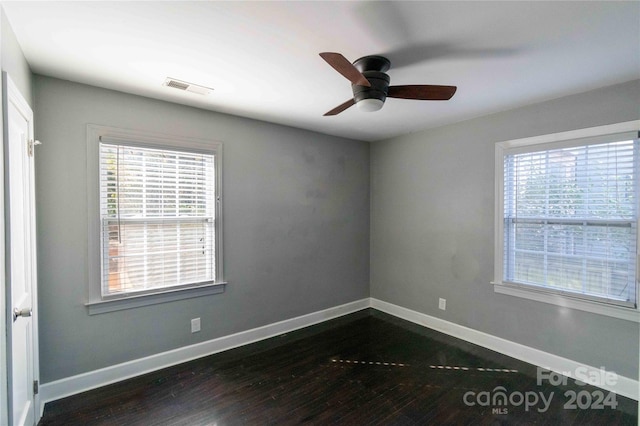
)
(370, 83)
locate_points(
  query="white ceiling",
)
(262, 59)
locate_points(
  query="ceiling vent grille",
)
(187, 87)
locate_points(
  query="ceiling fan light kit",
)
(369, 105)
(370, 83)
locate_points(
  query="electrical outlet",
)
(442, 304)
(195, 325)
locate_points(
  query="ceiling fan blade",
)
(422, 92)
(346, 68)
(337, 110)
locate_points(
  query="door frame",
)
(11, 95)
(4, 336)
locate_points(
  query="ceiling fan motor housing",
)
(373, 68)
(378, 90)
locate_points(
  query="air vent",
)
(177, 85)
(187, 87)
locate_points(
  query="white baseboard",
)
(624, 386)
(93, 379)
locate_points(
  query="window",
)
(568, 217)
(157, 211)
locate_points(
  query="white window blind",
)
(570, 220)
(157, 213)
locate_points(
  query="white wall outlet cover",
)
(195, 325)
(442, 304)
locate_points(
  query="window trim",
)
(558, 298)
(96, 302)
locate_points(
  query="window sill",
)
(628, 314)
(112, 305)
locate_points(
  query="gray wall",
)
(432, 206)
(296, 228)
(14, 62)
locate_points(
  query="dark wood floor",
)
(362, 369)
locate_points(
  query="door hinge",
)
(30, 146)
(35, 387)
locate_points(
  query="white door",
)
(20, 253)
